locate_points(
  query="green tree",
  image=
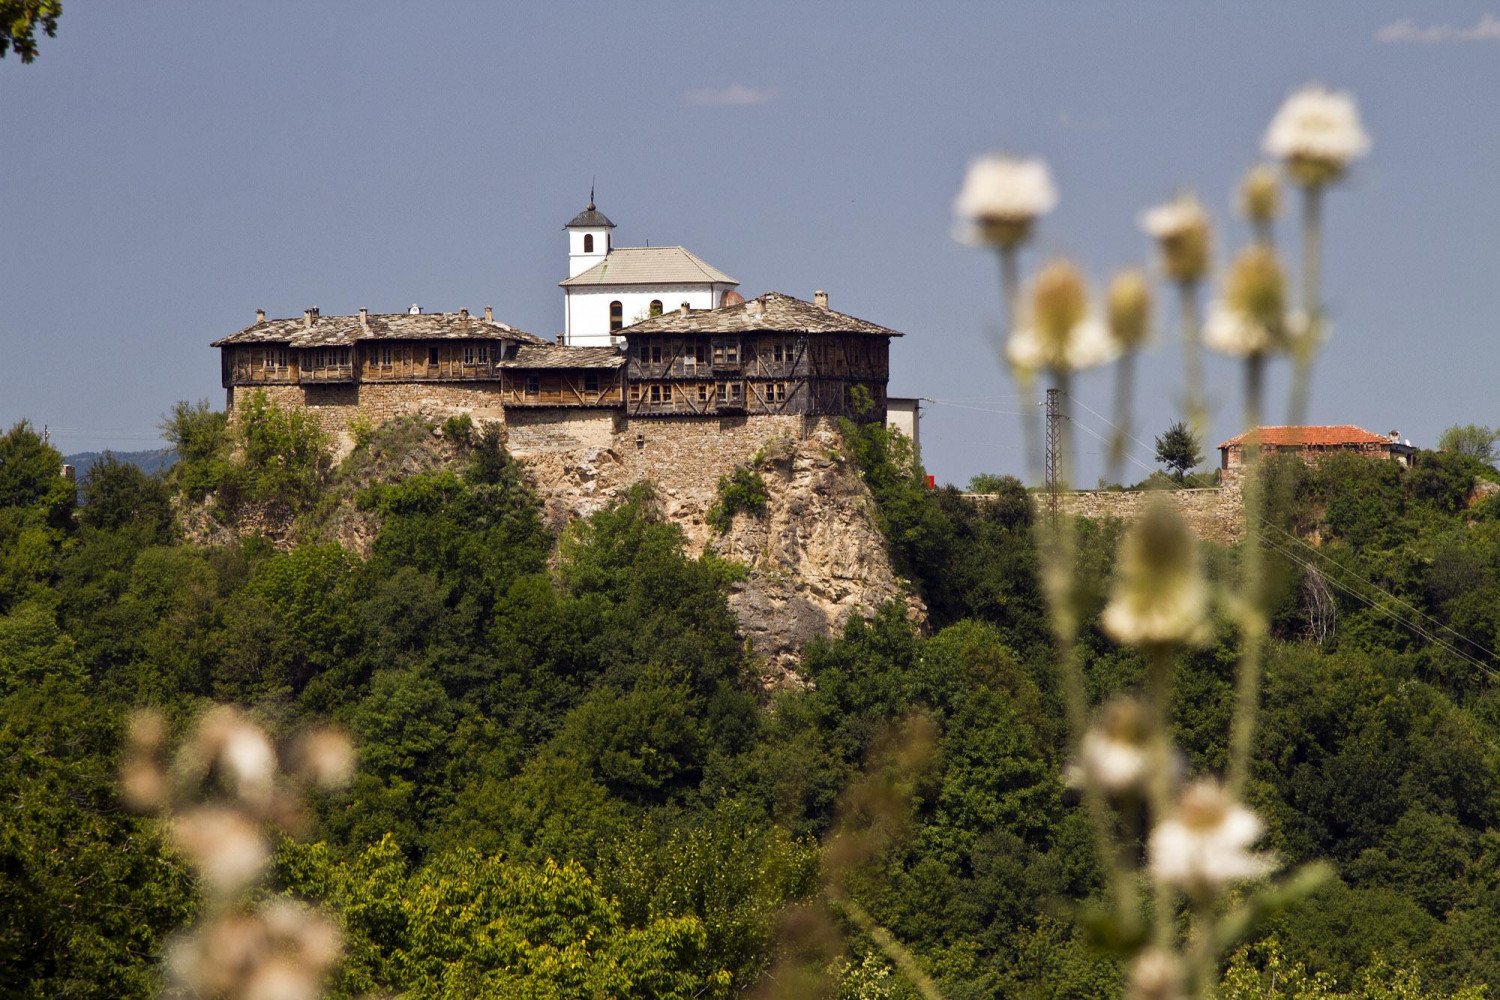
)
(1473, 440)
(19, 22)
(1179, 450)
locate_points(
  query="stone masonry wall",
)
(337, 405)
(1215, 515)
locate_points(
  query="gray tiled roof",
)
(773, 311)
(557, 356)
(590, 216)
(330, 331)
(649, 266)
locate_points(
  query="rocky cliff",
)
(814, 555)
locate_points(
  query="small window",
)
(656, 307)
(656, 354)
(656, 394)
(432, 356)
(616, 315)
(384, 357)
(533, 385)
(591, 383)
(702, 393)
(588, 242)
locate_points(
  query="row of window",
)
(654, 352)
(722, 392)
(533, 385)
(382, 357)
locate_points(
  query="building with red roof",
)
(1313, 442)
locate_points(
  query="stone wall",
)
(1215, 515)
(540, 431)
(337, 405)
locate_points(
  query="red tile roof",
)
(1330, 435)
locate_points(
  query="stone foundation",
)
(1214, 515)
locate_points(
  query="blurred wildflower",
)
(226, 745)
(1205, 842)
(1260, 197)
(326, 757)
(1113, 755)
(1317, 133)
(283, 951)
(1129, 301)
(1251, 319)
(1002, 196)
(1160, 597)
(1155, 975)
(226, 847)
(1182, 233)
(1060, 334)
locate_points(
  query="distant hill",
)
(150, 462)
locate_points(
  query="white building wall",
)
(578, 260)
(904, 414)
(586, 320)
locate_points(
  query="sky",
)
(169, 168)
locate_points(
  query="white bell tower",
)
(588, 238)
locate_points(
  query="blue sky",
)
(169, 168)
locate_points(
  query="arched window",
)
(588, 242)
(656, 307)
(616, 315)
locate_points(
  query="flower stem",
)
(1192, 354)
(1124, 403)
(1010, 294)
(1312, 302)
(1254, 591)
(1159, 667)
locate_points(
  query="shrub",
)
(743, 490)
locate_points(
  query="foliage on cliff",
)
(569, 782)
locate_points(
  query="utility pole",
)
(1054, 445)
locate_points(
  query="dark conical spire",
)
(590, 217)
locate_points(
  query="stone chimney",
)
(560, 340)
(308, 315)
(489, 314)
(1395, 437)
(364, 316)
(463, 313)
(820, 299)
(260, 315)
(686, 309)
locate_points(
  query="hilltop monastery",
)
(656, 343)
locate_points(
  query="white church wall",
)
(580, 260)
(587, 317)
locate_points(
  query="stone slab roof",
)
(334, 331)
(773, 311)
(1307, 436)
(649, 266)
(558, 356)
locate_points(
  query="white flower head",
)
(326, 757)
(1160, 597)
(1060, 333)
(1113, 754)
(1182, 231)
(1205, 842)
(1251, 320)
(1000, 199)
(226, 744)
(1155, 975)
(1318, 133)
(226, 847)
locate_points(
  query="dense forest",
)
(571, 782)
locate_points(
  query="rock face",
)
(816, 556)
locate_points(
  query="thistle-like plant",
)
(1201, 869)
